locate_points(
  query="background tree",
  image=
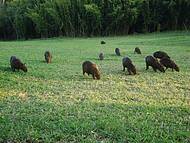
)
(23, 19)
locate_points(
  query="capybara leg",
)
(155, 69)
(166, 69)
(172, 69)
(129, 72)
(83, 72)
(13, 69)
(147, 67)
(123, 68)
(93, 76)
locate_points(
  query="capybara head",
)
(96, 71)
(101, 56)
(168, 63)
(160, 54)
(23, 67)
(176, 68)
(133, 69)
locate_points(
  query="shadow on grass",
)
(7, 69)
(37, 61)
(113, 55)
(96, 59)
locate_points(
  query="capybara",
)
(117, 51)
(154, 63)
(103, 42)
(48, 57)
(127, 63)
(16, 64)
(168, 63)
(91, 68)
(137, 50)
(101, 56)
(160, 54)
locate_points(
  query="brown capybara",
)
(137, 50)
(117, 52)
(48, 56)
(101, 56)
(154, 63)
(168, 63)
(103, 42)
(160, 55)
(91, 68)
(16, 64)
(127, 63)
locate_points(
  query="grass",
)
(56, 103)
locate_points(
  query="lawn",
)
(56, 103)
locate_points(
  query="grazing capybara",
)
(168, 63)
(48, 56)
(91, 68)
(101, 56)
(103, 42)
(137, 50)
(160, 54)
(117, 51)
(127, 63)
(16, 64)
(154, 63)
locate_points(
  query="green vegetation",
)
(55, 102)
(24, 19)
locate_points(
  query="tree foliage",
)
(22, 19)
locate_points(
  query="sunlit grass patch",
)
(56, 103)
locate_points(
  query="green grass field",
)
(56, 103)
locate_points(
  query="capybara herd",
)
(127, 63)
(168, 63)
(117, 52)
(103, 42)
(48, 57)
(91, 68)
(16, 64)
(159, 61)
(101, 56)
(160, 55)
(137, 50)
(154, 63)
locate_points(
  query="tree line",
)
(23, 19)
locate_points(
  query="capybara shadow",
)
(91, 68)
(48, 57)
(160, 54)
(5, 69)
(16, 64)
(154, 63)
(168, 63)
(127, 63)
